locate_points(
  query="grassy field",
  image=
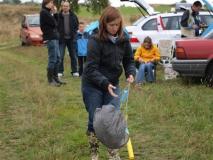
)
(167, 120)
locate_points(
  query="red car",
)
(30, 33)
(194, 58)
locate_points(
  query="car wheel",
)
(208, 79)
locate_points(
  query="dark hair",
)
(109, 14)
(197, 4)
(45, 2)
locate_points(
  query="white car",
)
(160, 26)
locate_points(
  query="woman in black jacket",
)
(50, 36)
(109, 52)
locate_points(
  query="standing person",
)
(108, 51)
(50, 36)
(190, 21)
(68, 27)
(147, 54)
(82, 40)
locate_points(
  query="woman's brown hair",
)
(109, 14)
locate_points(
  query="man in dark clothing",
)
(50, 36)
(190, 21)
(68, 27)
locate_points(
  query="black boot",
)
(50, 77)
(55, 77)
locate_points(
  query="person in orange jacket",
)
(147, 54)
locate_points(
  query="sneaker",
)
(75, 74)
(60, 75)
(54, 83)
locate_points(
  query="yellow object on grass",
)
(130, 150)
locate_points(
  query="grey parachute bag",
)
(110, 127)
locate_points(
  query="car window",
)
(206, 19)
(171, 23)
(33, 20)
(150, 25)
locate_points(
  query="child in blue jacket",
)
(82, 40)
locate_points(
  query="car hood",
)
(35, 30)
(190, 39)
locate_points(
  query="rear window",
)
(150, 25)
(138, 21)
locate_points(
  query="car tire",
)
(208, 79)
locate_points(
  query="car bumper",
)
(35, 41)
(191, 68)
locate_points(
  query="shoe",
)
(75, 74)
(50, 77)
(93, 142)
(60, 75)
(113, 154)
(54, 83)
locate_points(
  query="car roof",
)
(178, 13)
(169, 14)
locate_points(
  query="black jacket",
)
(48, 25)
(73, 25)
(105, 60)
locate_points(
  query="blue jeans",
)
(95, 97)
(53, 54)
(71, 46)
(143, 68)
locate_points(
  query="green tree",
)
(96, 6)
(183, 1)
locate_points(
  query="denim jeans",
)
(71, 46)
(95, 97)
(53, 54)
(145, 69)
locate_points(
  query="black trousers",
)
(81, 61)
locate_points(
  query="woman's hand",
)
(140, 60)
(130, 79)
(111, 92)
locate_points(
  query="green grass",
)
(167, 120)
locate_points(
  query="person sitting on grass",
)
(147, 54)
